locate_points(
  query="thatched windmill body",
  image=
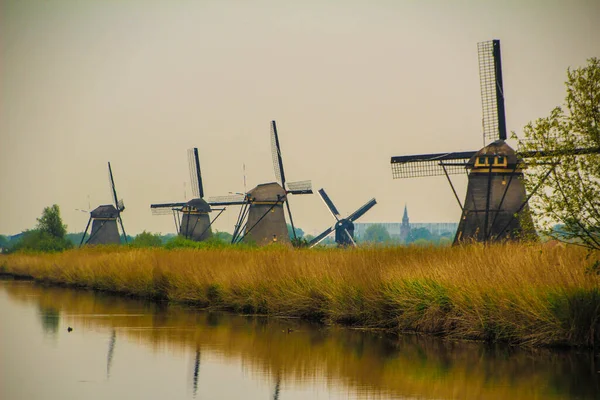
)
(104, 220)
(192, 219)
(343, 227)
(495, 206)
(262, 216)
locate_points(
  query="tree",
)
(377, 233)
(299, 232)
(3, 241)
(147, 239)
(419, 234)
(49, 235)
(51, 223)
(569, 186)
(223, 236)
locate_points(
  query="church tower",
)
(405, 227)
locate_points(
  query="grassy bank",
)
(531, 295)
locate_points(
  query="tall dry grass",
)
(525, 294)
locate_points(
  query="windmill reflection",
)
(196, 372)
(277, 386)
(111, 351)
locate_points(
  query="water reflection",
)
(288, 353)
(196, 372)
(111, 351)
(50, 318)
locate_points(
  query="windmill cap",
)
(267, 192)
(105, 211)
(497, 148)
(199, 204)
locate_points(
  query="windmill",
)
(343, 227)
(495, 206)
(191, 218)
(104, 220)
(261, 219)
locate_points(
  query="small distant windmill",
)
(191, 218)
(495, 207)
(262, 219)
(104, 220)
(343, 227)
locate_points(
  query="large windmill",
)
(104, 220)
(495, 206)
(191, 218)
(262, 218)
(343, 227)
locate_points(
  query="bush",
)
(37, 240)
(147, 239)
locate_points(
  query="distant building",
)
(404, 227)
(401, 230)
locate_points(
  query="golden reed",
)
(532, 295)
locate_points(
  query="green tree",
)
(223, 236)
(299, 232)
(49, 235)
(3, 241)
(51, 223)
(377, 233)
(569, 186)
(419, 234)
(147, 239)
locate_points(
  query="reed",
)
(532, 295)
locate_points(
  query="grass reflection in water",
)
(289, 350)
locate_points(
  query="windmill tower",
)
(191, 218)
(104, 220)
(495, 206)
(262, 217)
(343, 227)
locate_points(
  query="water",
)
(122, 348)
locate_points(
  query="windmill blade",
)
(165, 208)
(162, 211)
(350, 237)
(122, 227)
(276, 153)
(362, 210)
(320, 237)
(420, 165)
(195, 175)
(299, 187)
(112, 187)
(231, 200)
(334, 211)
(492, 91)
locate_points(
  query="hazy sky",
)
(350, 83)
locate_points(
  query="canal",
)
(59, 343)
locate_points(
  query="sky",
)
(350, 84)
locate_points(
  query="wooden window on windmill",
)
(500, 161)
(482, 161)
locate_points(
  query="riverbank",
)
(530, 295)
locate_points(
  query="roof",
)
(105, 211)
(267, 192)
(497, 148)
(199, 205)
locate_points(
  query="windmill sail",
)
(420, 165)
(492, 91)
(195, 175)
(276, 153)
